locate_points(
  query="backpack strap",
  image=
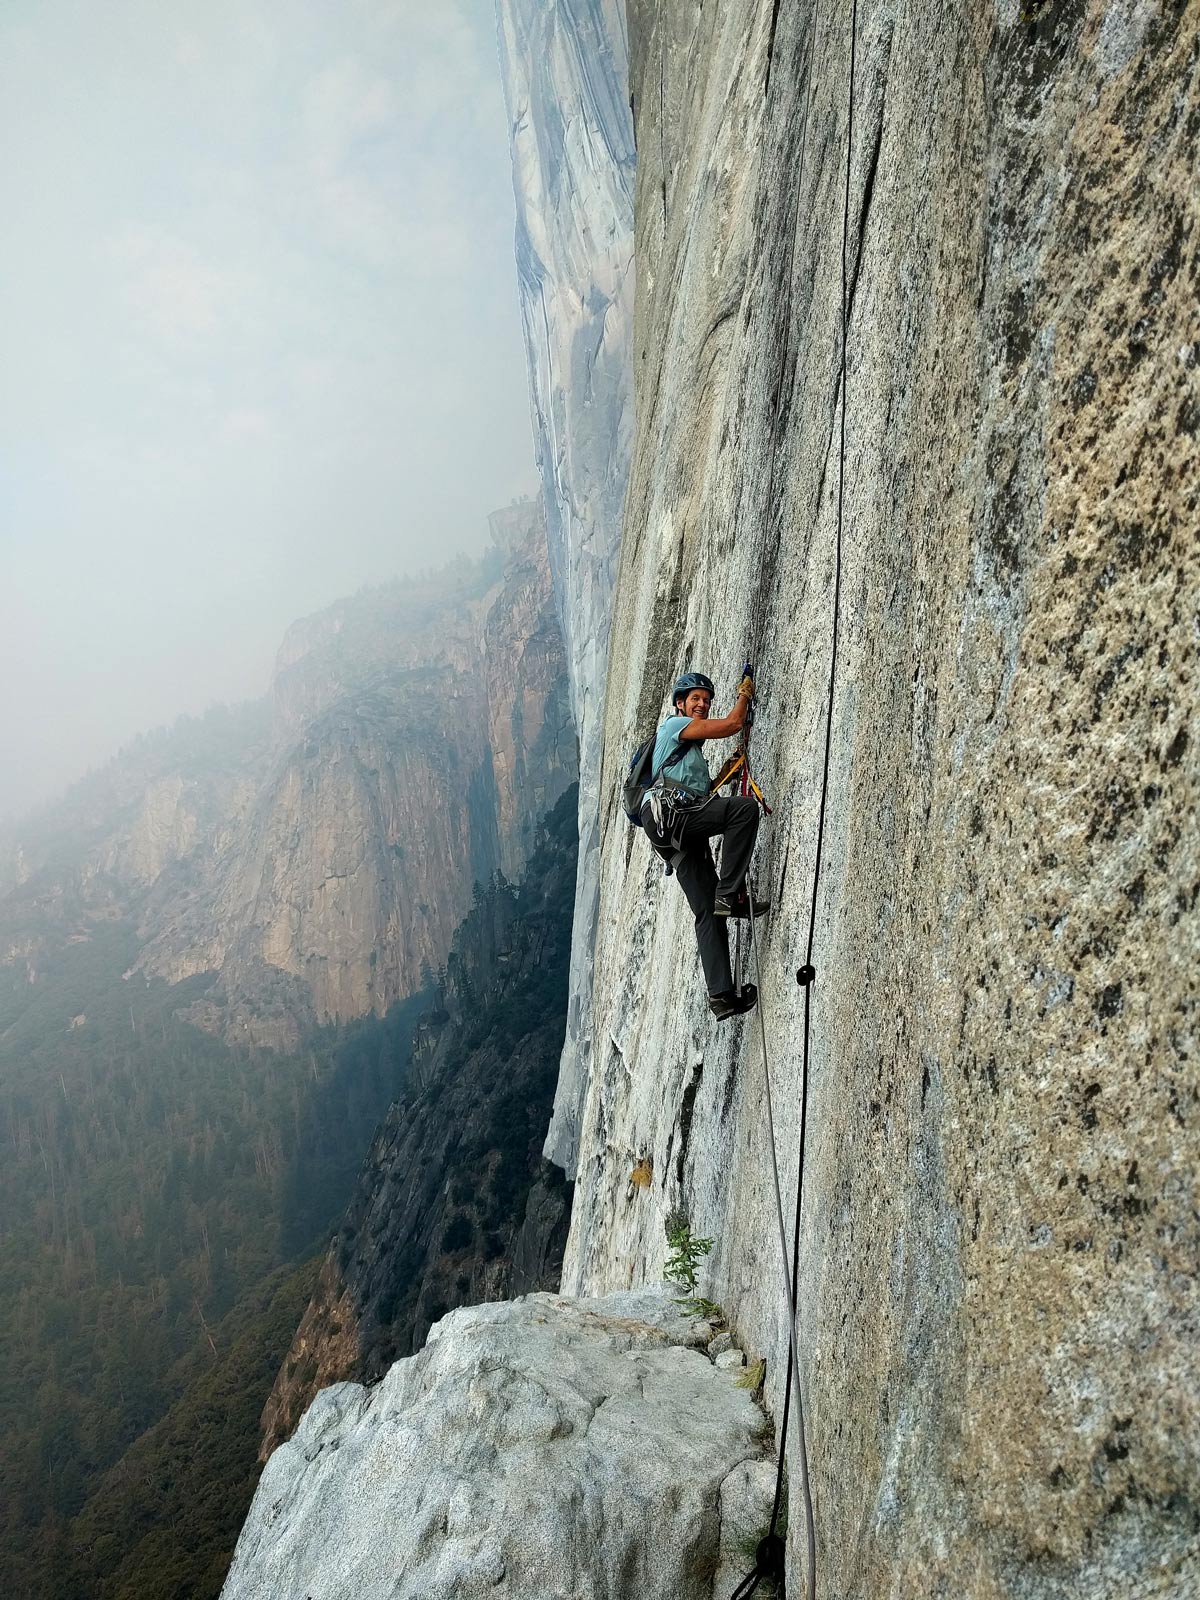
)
(677, 754)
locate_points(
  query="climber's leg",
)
(738, 833)
(698, 880)
(735, 818)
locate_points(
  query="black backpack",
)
(640, 778)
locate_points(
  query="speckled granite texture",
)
(537, 1449)
(999, 1256)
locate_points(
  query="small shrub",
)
(751, 1377)
(683, 1263)
(708, 1309)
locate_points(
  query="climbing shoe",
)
(739, 906)
(732, 1004)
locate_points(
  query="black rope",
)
(837, 565)
(768, 1563)
(806, 973)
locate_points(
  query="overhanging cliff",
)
(1000, 1238)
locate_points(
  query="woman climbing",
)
(681, 814)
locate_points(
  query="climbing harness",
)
(769, 1567)
(669, 807)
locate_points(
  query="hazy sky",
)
(259, 340)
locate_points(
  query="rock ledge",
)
(542, 1447)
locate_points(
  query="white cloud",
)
(171, 287)
(249, 425)
(423, 29)
(343, 105)
(189, 50)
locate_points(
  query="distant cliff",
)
(565, 70)
(452, 1205)
(316, 857)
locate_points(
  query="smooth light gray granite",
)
(539, 1449)
(565, 70)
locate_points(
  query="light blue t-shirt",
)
(691, 770)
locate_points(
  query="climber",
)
(681, 814)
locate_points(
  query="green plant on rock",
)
(708, 1309)
(684, 1261)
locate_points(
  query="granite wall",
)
(1000, 1239)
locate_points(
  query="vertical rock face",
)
(565, 71)
(428, 741)
(998, 1256)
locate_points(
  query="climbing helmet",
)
(690, 681)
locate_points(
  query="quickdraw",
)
(739, 763)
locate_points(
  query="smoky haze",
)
(260, 342)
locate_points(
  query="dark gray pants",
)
(736, 820)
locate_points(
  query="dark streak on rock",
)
(864, 211)
(771, 47)
(687, 1108)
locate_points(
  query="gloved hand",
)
(746, 687)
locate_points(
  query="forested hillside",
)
(213, 955)
(154, 1180)
(162, 1197)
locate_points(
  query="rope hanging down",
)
(768, 1562)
